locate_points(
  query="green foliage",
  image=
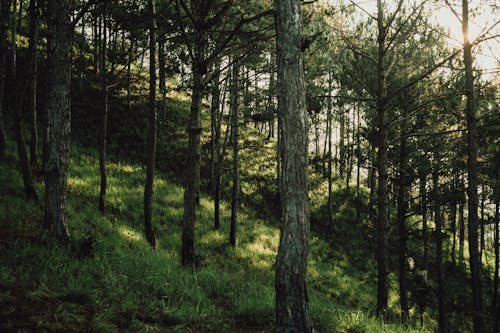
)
(121, 284)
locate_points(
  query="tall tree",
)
(152, 119)
(59, 117)
(21, 81)
(4, 12)
(292, 311)
(104, 108)
(235, 138)
(473, 201)
(33, 68)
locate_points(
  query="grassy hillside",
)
(109, 280)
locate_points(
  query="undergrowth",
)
(110, 280)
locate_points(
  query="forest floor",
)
(110, 280)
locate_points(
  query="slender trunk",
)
(342, 143)
(192, 181)
(439, 253)
(235, 138)
(161, 71)
(358, 153)
(292, 309)
(482, 223)
(496, 298)
(470, 110)
(401, 217)
(454, 231)
(461, 234)
(423, 211)
(58, 116)
(329, 117)
(129, 75)
(382, 193)
(4, 12)
(104, 112)
(151, 147)
(214, 115)
(33, 38)
(20, 82)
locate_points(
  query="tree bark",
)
(4, 12)
(496, 298)
(329, 122)
(461, 234)
(439, 253)
(470, 110)
(401, 217)
(33, 39)
(104, 111)
(162, 83)
(292, 310)
(21, 84)
(235, 138)
(192, 181)
(59, 117)
(423, 211)
(151, 147)
(382, 193)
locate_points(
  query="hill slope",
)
(109, 280)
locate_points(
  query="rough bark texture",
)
(292, 311)
(401, 217)
(329, 122)
(470, 110)
(235, 138)
(439, 253)
(382, 192)
(496, 301)
(59, 117)
(33, 68)
(162, 85)
(461, 234)
(423, 211)
(192, 181)
(104, 111)
(4, 10)
(151, 144)
(216, 153)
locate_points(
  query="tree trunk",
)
(59, 117)
(423, 211)
(470, 110)
(129, 75)
(104, 111)
(461, 234)
(33, 38)
(482, 223)
(151, 147)
(192, 181)
(161, 71)
(382, 193)
(235, 139)
(214, 115)
(496, 299)
(439, 253)
(20, 82)
(292, 310)
(403, 232)
(329, 117)
(4, 12)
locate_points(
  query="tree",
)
(235, 138)
(4, 12)
(104, 108)
(292, 313)
(59, 117)
(151, 145)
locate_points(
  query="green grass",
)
(124, 286)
